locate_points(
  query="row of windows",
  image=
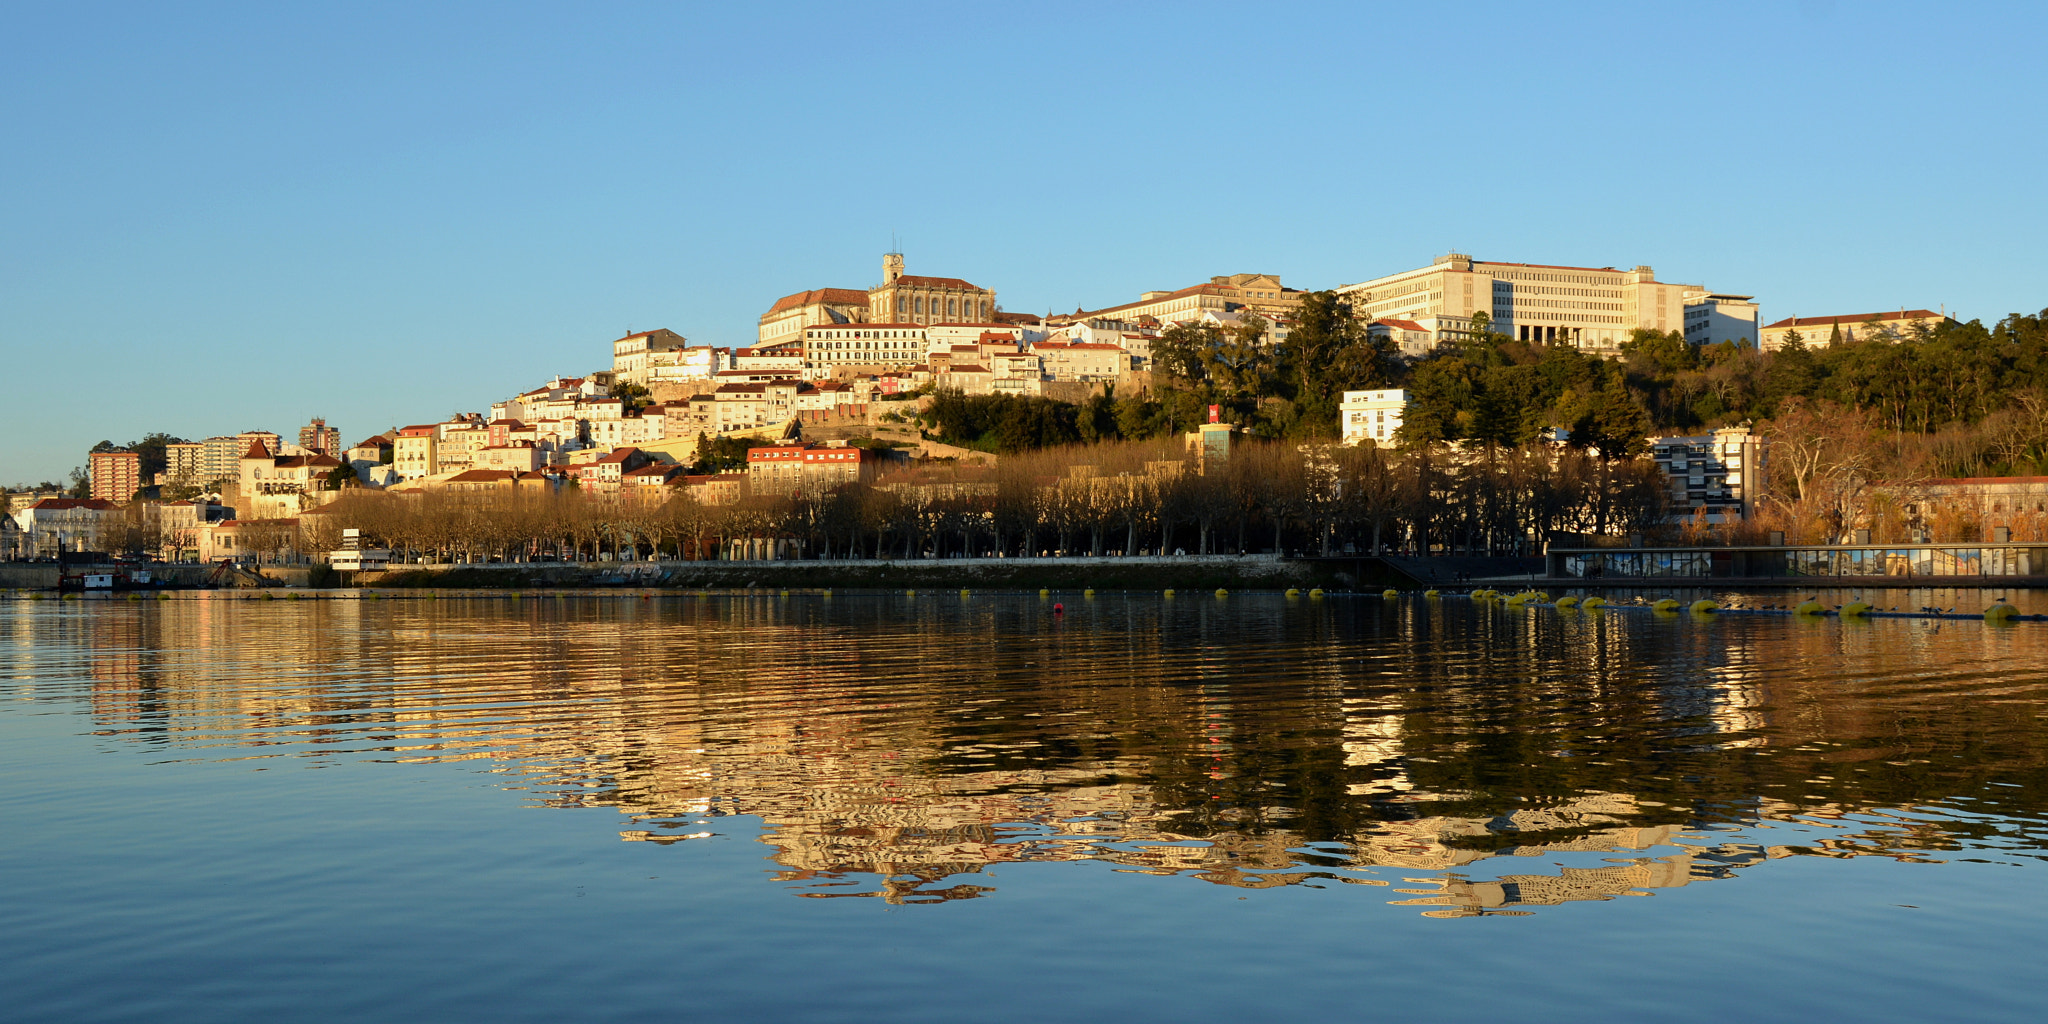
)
(916, 304)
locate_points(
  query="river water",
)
(970, 808)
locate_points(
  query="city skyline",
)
(384, 216)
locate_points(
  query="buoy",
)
(1058, 608)
(1855, 609)
(910, 593)
(964, 592)
(1316, 594)
(1220, 592)
(1664, 604)
(1088, 594)
(1809, 607)
(1430, 593)
(1594, 604)
(1047, 593)
(2000, 612)
(1703, 607)
(1291, 592)
(1539, 595)
(1518, 599)
(1567, 601)
(1390, 593)
(1169, 592)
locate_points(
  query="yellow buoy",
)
(1593, 604)
(1220, 592)
(1390, 593)
(1810, 607)
(1855, 609)
(2000, 612)
(1429, 593)
(1703, 607)
(1291, 592)
(1316, 594)
(1090, 593)
(910, 593)
(1567, 601)
(1042, 592)
(1664, 604)
(1169, 591)
(964, 592)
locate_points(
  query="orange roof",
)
(1857, 318)
(256, 451)
(913, 281)
(481, 476)
(829, 296)
(1401, 325)
(861, 327)
(60, 504)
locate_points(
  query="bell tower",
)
(892, 267)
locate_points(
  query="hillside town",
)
(847, 386)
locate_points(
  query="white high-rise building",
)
(1591, 307)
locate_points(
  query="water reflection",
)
(1464, 760)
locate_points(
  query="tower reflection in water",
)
(1467, 760)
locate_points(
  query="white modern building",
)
(1720, 472)
(1714, 318)
(1372, 415)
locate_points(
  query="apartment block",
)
(1720, 472)
(116, 476)
(1372, 415)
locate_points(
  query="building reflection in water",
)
(1455, 757)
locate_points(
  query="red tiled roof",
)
(1857, 318)
(481, 476)
(914, 281)
(1401, 325)
(256, 451)
(828, 296)
(863, 327)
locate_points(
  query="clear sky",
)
(236, 216)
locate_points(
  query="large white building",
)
(1591, 307)
(1720, 473)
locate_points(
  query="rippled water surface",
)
(949, 808)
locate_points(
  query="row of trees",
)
(1109, 498)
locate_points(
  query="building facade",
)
(319, 438)
(116, 476)
(1823, 330)
(630, 354)
(1590, 307)
(1715, 318)
(907, 298)
(1720, 474)
(1372, 416)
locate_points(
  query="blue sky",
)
(229, 217)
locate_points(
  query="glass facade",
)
(1929, 560)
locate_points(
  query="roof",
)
(60, 504)
(313, 461)
(256, 451)
(1857, 318)
(1015, 318)
(1551, 266)
(830, 296)
(473, 476)
(1199, 289)
(618, 455)
(970, 369)
(1401, 325)
(979, 323)
(914, 281)
(866, 327)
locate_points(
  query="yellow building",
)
(1820, 330)
(1260, 293)
(785, 321)
(1591, 307)
(909, 299)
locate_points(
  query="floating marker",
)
(1169, 592)
(1703, 607)
(1855, 609)
(2000, 612)
(1809, 607)
(1594, 604)
(1090, 594)
(1429, 593)
(1390, 593)
(1567, 601)
(1048, 593)
(1664, 604)
(1220, 592)
(1291, 592)
(1316, 594)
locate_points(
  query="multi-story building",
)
(785, 321)
(1822, 330)
(1410, 338)
(1714, 318)
(1721, 472)
(1591, 307)
(220, 459)
(1372, 415)
(415, 452)
(846, 349)
(319, 438)
(116, 476)
(1260, 293)
(631, 354)
(282, 486)
(685, 365)
(810, 468)
(183, 462)
(53, 526)
(907, 298)
(1081, 361)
